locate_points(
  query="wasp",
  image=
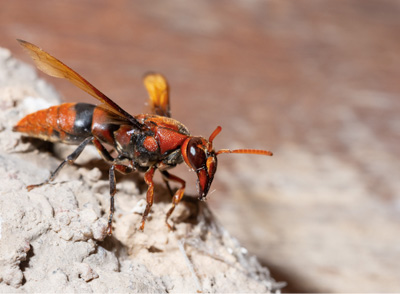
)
(144, 142)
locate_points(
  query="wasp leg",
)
(168, 186)
(103, 151)
(113, 186)
(148, 178)
(70, 160)
(113, 189)
(177, 196)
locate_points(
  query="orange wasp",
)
(144, 142)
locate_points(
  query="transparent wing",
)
(53, 67)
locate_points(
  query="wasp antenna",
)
(215, 133)
(246, 151)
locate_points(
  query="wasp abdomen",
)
(68, 123)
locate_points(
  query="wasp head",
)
(200, 156)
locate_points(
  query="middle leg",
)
(124, 169)
(148, 178)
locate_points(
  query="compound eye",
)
(195, 154)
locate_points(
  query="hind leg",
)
(70, 160)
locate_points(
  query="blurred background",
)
(315, 81)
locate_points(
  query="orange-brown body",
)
(71, 123)
(145, 142)
(53, 124)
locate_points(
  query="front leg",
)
(177, 196)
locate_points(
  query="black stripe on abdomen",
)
(84, 118)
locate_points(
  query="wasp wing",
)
(55, 68)
(158, 89)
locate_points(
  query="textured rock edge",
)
(53, 238)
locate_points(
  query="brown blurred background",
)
(315, 81)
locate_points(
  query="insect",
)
(144, 142)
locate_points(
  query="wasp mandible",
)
(144, 142)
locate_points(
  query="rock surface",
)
(316, 82)
(52, 239)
